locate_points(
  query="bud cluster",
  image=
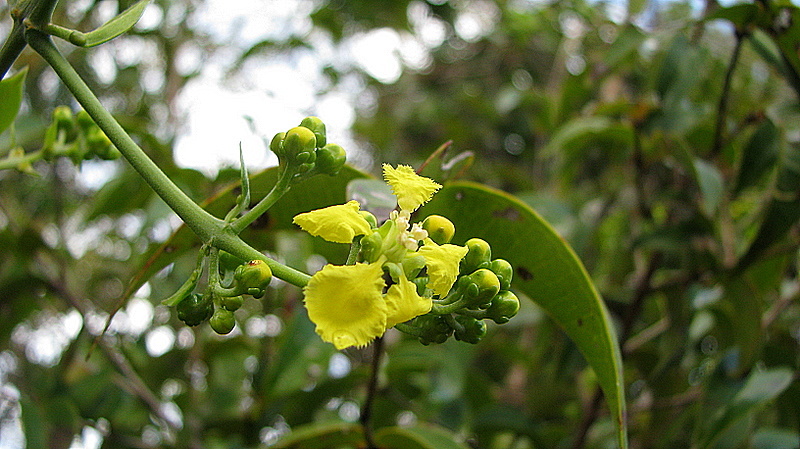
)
(482, 291)
(76, 136)
(305, 149)
(217, 305)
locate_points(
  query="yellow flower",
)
(346, 303)
(339, 224)
(411, 189)
(404, 303)
(442, 262)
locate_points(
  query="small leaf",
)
(113, 28)
(417, 437)
(11, 90)
(741, 15)
(760, 154)
(323, 436)
(711, 184)
(761, 388)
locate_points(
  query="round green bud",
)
(471, 330)
(421, 283)
(373, 222)
(229, 262)
(299, 145)
(317, 127)
(504, 272)
(194, 309)
(330, 159)
(478, 256)
(252, 278)
(85, 121)
(232, 303)
(64, 120)
(434, 328)
(371, 246)
(276, 144)
(222, 321)
(504, 306)
(440, 229)
(484, 285)
(100, 145)
(413, 263)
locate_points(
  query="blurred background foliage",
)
(659, 138)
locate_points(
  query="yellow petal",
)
(335, 223)
(404, 303)
(346, 303)
(442, 262)
(411, 189)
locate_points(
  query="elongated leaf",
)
(783, 210)
(711, 185)
(547, 271)
(760, 388)
(324, 435)
(417, 437)
(113, 28)
(11, 90)
(760, 154)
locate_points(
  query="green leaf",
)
(324, 435)
(547, 271)
(760, 388)
(113, 28)
(783, 210)
(760, 154)
(711, 184)
(417, 437)
(11, 90)
(741, 15)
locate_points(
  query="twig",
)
(372, 389)
(722, 106)
(134, 384)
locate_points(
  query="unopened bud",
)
(440, 229)
(317, 127)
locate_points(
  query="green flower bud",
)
(316, 126)
(299, 145)
(229, 262)
(471, 330)
(479, 256)
(505, 306)
(434, 329)
(232, 303)
(252, 278)
(222, 321)
(100, 145)
(194, 309)
(276, 145)
(330, 159)
(484, 284)
(440, 229)
(64, 121)
(421, 283)
(85, 121)
(371, 246)
(413, 263)
(373, 222)
(504, 272)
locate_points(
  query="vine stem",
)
(722, 106)
(372, 390)
(210, 229)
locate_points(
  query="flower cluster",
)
(353, 304)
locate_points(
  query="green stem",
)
(14, 162)
(280, 188)
(408, 329)
(210, 229)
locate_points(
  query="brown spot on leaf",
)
(263, 222)
(509, 213)
(580, 321)
(524, 273)
(168, 249)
